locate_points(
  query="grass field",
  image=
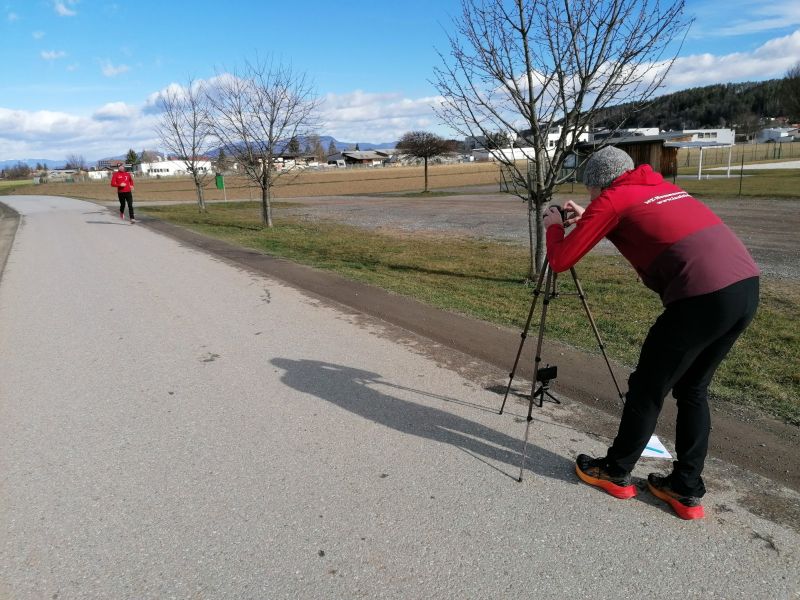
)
(485, 279)
(8, 187)
(305, 183)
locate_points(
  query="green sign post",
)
(220, 181)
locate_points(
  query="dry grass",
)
(334, 182)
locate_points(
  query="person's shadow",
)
(353, 390)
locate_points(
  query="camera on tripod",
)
(546, 374)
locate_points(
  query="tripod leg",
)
(524, 333)
(548, 288)
(582, 296)
(527, 431)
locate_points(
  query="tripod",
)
(543, 376)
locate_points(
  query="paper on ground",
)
(655, 449)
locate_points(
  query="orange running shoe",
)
(593, 471)
(686, 507)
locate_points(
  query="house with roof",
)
(364, 158)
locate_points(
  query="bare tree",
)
(255, 112)
(790, 89)
(424, 145)
(185, 130)
(541, 69)
(75, 161)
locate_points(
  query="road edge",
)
(9, 223)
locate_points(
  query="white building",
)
(170, 168)
(718, 136)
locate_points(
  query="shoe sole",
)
(687, 513)
(623, 492)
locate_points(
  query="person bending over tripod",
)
(708, 284)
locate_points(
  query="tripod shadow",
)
(350, 389)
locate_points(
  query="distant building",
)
(170, 168)
(109, 163)
(367, 158)
(718, 136)
(777, 134)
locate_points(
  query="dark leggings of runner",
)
(682, 351)
(123, 198)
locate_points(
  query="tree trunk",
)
(426, 173)
(533, 270)
(536, 233)
(266, 207)
(201, 201)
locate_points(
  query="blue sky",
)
(78, 73)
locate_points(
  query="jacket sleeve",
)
(114, 180)
(563, 252)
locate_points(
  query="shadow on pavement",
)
(351, 389)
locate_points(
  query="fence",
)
(718, 157)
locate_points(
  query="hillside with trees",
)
(740, 105)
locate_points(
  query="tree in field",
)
(424, 145)
(184, 129)
(221, 163)
(540, 69)
(332, 148)
(790, 90)
(314, 147)
(254, 111)
(293, 147)
(75, 161)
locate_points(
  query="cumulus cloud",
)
(52, 54)
(769, 60)
(376, 117)
(63, 10)
(53, 134)
(115, 111)
(110, 70)
(746, 17)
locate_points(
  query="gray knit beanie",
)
(605, 165)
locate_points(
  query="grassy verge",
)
(484, 279)
(777, 183)
(9, 187)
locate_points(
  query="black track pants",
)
(123, 198)
(682, 351)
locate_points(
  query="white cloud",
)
(52, 54)
(110, 70)
(37, 35)
(63, 10)
(52, 134)
(12, 16)
(769, 60)
(115, 111)
(744, 17)
(361, 116)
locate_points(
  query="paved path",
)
(171, 426)
(787, 164)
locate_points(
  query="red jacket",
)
(122, 180)
(679, 247)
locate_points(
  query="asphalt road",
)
(174, 427)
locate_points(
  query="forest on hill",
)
(739, 105)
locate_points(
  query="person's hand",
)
(552, 217)
(573, 209)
